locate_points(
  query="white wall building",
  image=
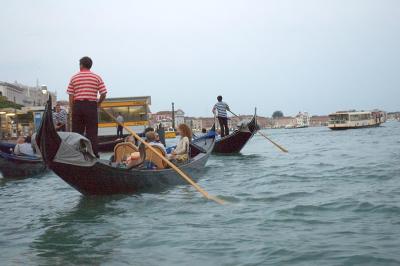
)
(179, 117)
(302, 119)
(24, 95)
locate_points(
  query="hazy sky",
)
(291, 55)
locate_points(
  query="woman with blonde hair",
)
(181, 153)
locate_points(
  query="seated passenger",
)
(133, 160)
(203, 133)
(181, 153)
(152, 160)
(24, 146)
(151, 138)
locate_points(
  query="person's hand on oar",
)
(261, 134)
(179, 171)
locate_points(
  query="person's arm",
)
(71, 102)
(227, 107)
(102, 98)
(213, 110)
(71, 93)
(102, 92)
(16, 149)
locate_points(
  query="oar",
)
(273, 142)
(179, 171)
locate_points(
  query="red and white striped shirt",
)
(85, 85)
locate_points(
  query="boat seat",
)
(154, 158)
(123, 150)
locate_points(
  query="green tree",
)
(4, 103)
(277, 114)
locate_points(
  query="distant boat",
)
(353, 119)
(19, 166)
(234, 142)
(170, 133)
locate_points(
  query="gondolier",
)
(83, 91)
(220, 108)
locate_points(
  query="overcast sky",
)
(290, 55)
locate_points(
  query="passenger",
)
(146, 130)
(133, 159)
(204, 131)
(24, 146)
(151, 138)
(181, 153)
(131, 139)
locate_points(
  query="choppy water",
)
(333, 200)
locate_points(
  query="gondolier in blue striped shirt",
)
(220, 108)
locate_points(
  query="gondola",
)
(235, 142)
(70, 156)
(19, 166)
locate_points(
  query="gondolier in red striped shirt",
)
(83, 91)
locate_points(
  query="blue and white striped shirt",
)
(221, 108)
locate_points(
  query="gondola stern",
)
(253, 124)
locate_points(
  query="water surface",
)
(333, 200)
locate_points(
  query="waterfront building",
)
(284, 122)
(302, 120)
(319, 120)
(165, 118)
(25, 95)
(194, 123)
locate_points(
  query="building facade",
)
(302, 119)
(319, 121)
(165, 118)
(25, 95)
(282, 122)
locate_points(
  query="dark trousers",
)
(85, 119)
(120, 133)
(63, 128)
(223, 123)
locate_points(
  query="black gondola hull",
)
(237, 140)
(14, 166)
(103, 179)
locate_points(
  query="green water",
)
(333, 200)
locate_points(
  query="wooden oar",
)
(179, 171)
(273, 142)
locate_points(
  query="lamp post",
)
(44, 93)
(173, 116)
(44, 89)
(16, 118)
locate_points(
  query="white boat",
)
(354, 119)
